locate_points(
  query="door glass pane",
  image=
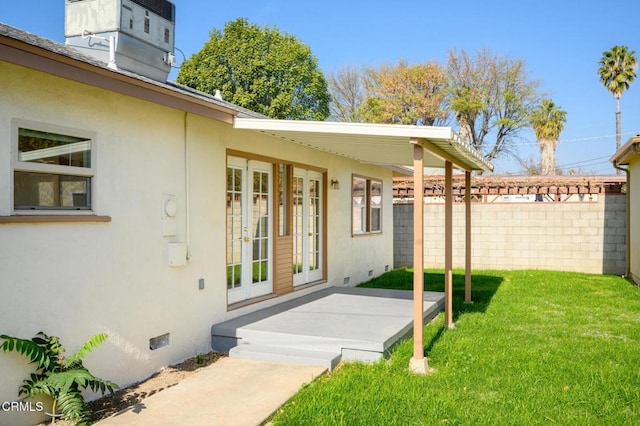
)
(298, 223)
(314, 223)
(234, 227)
(260, 255)
(282, 202)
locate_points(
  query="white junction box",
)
(177, 254)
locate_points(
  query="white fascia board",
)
(334, 127)
(626, 151)
(439, 136)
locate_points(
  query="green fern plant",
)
(63, 379)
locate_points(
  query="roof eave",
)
(431, 137)
(40, 59)
(630, 149)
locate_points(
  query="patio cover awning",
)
(397, 147)
(381, 144)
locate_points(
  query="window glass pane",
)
(376, 193)
(376, 204)
(375, 219)
(35, 146)
(46, 190)
(359, 202)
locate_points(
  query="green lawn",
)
(536, 347)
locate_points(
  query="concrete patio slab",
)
(320, 329)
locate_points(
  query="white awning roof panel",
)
(382, 144)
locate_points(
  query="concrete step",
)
(285, 354)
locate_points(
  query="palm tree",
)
(548, 121)
(617, 71)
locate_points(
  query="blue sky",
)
(560, 41)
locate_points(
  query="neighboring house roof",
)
(627, 151)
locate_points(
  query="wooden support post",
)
(448, 245)
(467, 238)
(418, 364)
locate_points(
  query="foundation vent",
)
(159, 342)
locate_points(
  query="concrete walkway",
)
(229, 392)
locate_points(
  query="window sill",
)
(366, 234)
(53, 219)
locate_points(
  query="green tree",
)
(617, 71)
(261, 69)
(406, 94)
(491, 97)
(547, 121)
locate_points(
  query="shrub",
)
(61, 378)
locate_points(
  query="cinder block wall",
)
(581, 237)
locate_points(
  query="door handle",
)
(246, 239)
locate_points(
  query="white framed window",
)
(366, 196)
(53, 168)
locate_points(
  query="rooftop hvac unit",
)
(133, 35)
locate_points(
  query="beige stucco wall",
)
(77, 279)
(634, 214)
(582, 237)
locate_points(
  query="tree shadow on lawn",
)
(483, 287)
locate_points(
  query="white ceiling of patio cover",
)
(381, 144)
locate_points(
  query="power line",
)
(591, 138)
(584, 167)
(584, 161)
(595, 137)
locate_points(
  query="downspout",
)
(187, 192)
(627, 273)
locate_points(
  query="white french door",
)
(249, 229)
(307, 226)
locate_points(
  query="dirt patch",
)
(124, 398)
(164, 379)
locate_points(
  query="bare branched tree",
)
(492, 98)
(347, 94)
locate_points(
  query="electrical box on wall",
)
(169, 214)
(177, 254)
